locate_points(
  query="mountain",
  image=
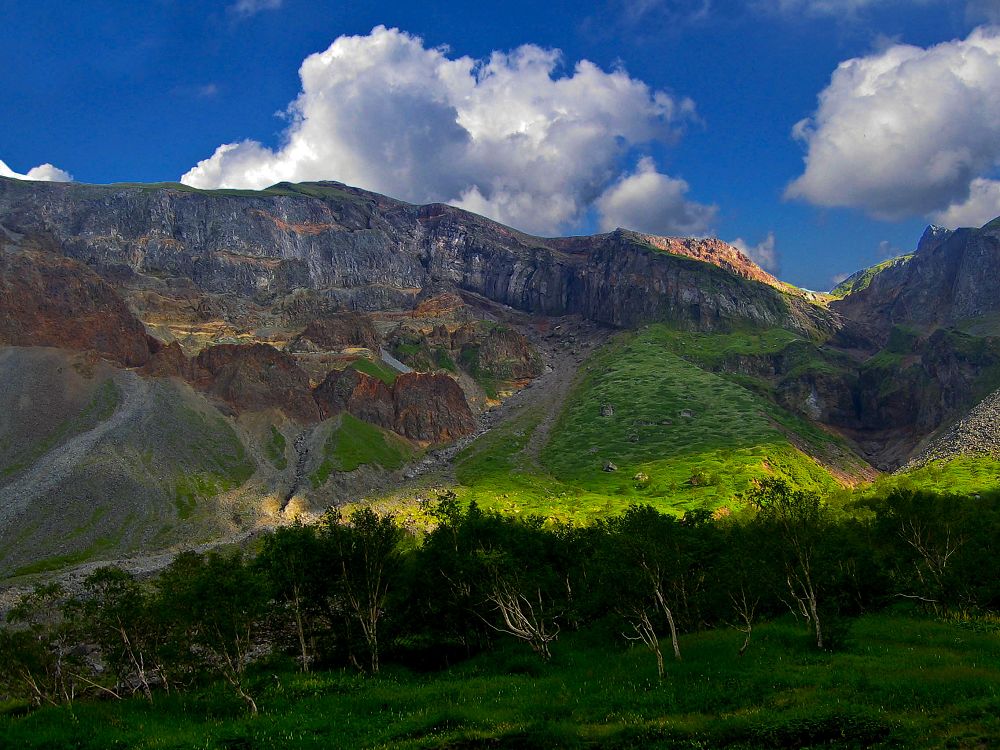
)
(183, 367)
(953, 276)
(368, 252)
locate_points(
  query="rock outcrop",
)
(257, 376)
(48, 300)
(337, 332)
(429, 408)
(357, 393)
(502, 354)
(951, 277)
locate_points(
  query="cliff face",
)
(951, 277)
(365, 251)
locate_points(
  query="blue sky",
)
(694, 135)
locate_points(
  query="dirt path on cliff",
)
(55, 466)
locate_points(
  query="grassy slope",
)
(732, 436)
(899, 682)
(354, 443)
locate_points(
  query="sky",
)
(820, 136)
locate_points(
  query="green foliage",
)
(907, 683)
(485, 589)
(675, 422)
(354, 443)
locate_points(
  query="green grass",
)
(354, 443)
(964, 475)
(377, 369)
(700, 437)
(898, 683)
(275, 449)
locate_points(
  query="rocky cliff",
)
(366, 251)
(48, 300)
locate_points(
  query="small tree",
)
(794, 522)
(36, 653)
(292, 563)
(365, 560)
(215, 606)
(117, 618)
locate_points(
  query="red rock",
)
(431, 408)
(257, 376)
(358, 393)
(49, 300)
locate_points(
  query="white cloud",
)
(508, 136)
(649, 201)
(764, 253)
(905, 130)
(841, 10)
(43, 172)
(982, 206)
(247, 8)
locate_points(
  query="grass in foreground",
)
(898, 683)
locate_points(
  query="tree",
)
(793, 522)
(37, 654)
(365, 560)
(214, 606)
(293, 565)
(117, 618)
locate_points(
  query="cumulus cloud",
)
(510, 136)
(764, 253)
(905, 130)
(648, 201)
(982, 205)
(43, 172)
(247, 8)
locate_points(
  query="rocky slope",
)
(977, 433)
(48, 300)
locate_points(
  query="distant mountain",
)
(953, 276)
